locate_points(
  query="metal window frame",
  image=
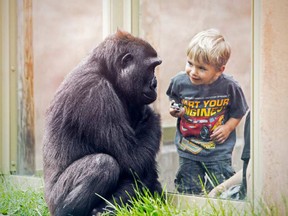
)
(8, 89)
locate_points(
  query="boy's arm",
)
(233, 180)
(221, 133)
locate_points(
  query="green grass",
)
(29, 202)
(15, 201)
(144, 203)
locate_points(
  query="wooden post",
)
(26, 136)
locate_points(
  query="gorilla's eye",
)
(126, 59)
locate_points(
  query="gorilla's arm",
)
(133, 149)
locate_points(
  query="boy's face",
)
(200, 73)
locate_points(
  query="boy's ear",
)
(222, 68)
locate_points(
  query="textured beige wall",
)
(273, 99)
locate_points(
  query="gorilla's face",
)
(148, 79)
(137, 78)
(149, 92)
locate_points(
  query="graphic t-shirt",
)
(206, 107)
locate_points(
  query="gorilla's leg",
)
(125, 190)
(76, 190)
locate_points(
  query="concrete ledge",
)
(24, 182)
(210, 204)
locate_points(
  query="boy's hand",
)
(220, 134)
(176, 110)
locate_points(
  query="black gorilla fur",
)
(100, 130)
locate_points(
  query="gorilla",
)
(100, 131)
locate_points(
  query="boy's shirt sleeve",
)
(238, 107)
(176, 86)
(172, 92)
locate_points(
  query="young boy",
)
(211, 106)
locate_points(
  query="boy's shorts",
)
(195, 177)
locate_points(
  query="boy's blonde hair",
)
(209, 47)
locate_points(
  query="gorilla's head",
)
(137, 77)
(134, 64)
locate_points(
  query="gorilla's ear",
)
(126, 59)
